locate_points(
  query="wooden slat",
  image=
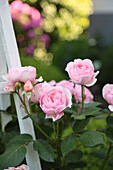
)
(4, 99)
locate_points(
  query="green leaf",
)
(91, 138)
(44, 149)
(78, 117)
(67, 144)
(106, 111)
(20, 139)
(15, 151)
(80, 125)
(75, 115)
(8, 136)
(91, 111)
(110, 121)
(74, 156)
(90, 105)
(109, 133)
(101, 153)
(13, 156)
(87, 112)
(68, 110)
(99, 116)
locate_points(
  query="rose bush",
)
(64, 136)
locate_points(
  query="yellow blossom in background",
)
(70, 19)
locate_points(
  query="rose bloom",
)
(107, 93)
(21, 74)
(54, 101)
(37, 93)
(78, 95)
(22, 167)
(39, 89)
(82, 72)
(66, 84)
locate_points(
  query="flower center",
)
(82, 67)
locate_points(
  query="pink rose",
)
(52, 82)
(22, 167)
(39, 89)
(107, 93)
(37, 93)
(66, 84)
(54, 101)
(28, 87)
(82, 72)
(78, 94)
(9, 88)
(21, 74)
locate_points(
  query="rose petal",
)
(110, 107)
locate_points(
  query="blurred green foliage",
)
(68, 51)
(47, 72)
(107, 65)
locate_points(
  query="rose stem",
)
(25, 107)
(38, 127)
(58, 149)
(54, 130)
(82, 105)
(26, 110)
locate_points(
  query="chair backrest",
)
(9, 57)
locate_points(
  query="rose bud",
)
(28, 87)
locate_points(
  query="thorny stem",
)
(107, 157)
(22, 101)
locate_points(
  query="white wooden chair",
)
(9, 57)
